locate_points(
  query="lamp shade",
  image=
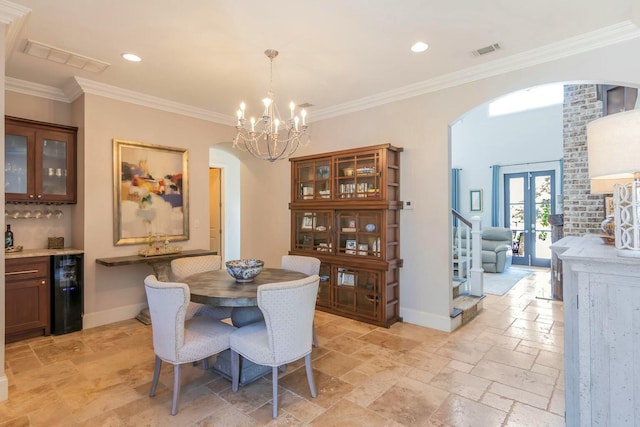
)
(614, 150)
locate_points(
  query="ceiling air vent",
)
(50, 53)
(486, 49)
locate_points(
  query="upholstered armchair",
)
(184, 267)
(285, 334)
(496, 248)
(303, 264)
(175, 339)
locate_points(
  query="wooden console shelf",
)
(345, 211)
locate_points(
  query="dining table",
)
(217, 288)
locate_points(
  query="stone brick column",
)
(583, 211)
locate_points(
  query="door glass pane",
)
(543, 210)
(54, 167)
(15, 164)
(516, 214)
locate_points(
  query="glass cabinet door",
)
(358, 176)
(324, 289)
(313, 231)
(359, 233)
(17, 151)
(313, 180)
(358, 291)
(54, 167)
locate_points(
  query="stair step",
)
(466, 305)
(456, 312)
(455, 285)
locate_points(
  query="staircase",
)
(465, 305)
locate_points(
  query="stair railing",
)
(471, 271)
(461, 259)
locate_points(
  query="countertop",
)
(26, 253)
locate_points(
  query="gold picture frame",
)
(150, 193)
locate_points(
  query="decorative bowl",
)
(244, 270)
(370, 227)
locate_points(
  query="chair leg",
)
(176, 389)
(206, 363)
(235, 370)
(312, 384)
(315, 338)
(274, 374)
(156, 376)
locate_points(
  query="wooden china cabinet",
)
(345, 211)
(40, 162)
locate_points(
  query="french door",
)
(528, 197)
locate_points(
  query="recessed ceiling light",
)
(131, 57)
(419, 47)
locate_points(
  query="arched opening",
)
(530, 164)
(229, 188)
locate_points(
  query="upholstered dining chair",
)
(304, 264)
(285, 334)
(184, 267)
(176, 340)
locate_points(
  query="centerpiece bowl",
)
(244, 270)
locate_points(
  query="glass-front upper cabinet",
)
(313, 180)
(18, 149)
(358, 175)
(40, 162)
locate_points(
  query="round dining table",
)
(218, 288)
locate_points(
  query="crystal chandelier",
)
(271, 138)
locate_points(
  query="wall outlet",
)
(408, 205)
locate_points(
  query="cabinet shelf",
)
(353, 195)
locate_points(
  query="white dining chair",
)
(184, 267)
(176, 340)
(285, 334)
(304, 264)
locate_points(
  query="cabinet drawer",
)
(26, 268)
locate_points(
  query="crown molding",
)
(34, 89)
(78, 86)
(606, 36)
(119, 94)
(15, 16)
(10, 12)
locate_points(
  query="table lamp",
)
(614, 167)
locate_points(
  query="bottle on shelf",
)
(8, 237)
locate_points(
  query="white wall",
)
(114, 293)
(479, 141)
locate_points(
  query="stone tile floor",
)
(504, 368)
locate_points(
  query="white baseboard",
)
(428, 320)
(92, 320)
(4, 388)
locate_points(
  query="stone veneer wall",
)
(583, 211)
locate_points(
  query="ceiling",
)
(339, 55)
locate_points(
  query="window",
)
(528, 99)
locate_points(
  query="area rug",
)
(500, 283)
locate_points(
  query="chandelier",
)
(269, 137)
